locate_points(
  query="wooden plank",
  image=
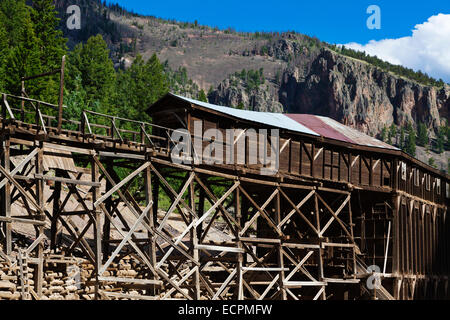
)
(20, 220)
(219, 248)
(61, 147)
(130, 280)
(299, 284)
(121, 155)
(67, 181)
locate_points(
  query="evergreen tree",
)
(202, 96)
(402, 139)
(3, 55)
(431, 162)
(91, 62)
(12, 16)
(411, 141)
(384, 134)
(75, 101)
(140, 86)
(24, 60)
(440, 140)
(422, 134)
(392, 133)
(51, 42)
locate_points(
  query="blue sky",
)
(332, 21)
(413, 33)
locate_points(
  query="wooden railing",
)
(90, 123)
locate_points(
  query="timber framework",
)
(97, 209)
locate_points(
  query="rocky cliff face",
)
(235, 92)
(348, 90)
(361, 95)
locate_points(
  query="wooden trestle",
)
(290, 236)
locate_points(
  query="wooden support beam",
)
(6, 195)
(39, 169)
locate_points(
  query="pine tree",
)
(431, 162)
(411, 141)
(4, 50)
(402, 139)
(440, 140)
(392, 133)
(12, 16)
(422, 134)
(384, 134)
(52, 44)
(91, 62)
(202, 96)
(147, 82)
(24, 60)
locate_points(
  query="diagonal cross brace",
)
(126, 238)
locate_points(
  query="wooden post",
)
(56, 209)
(151, 219)
(61, 94)
(40, 201)
(109, 208)
(194, 242)
(98, 233)
(280, 252)
(6, 195)
(240, 289)
(320, 250)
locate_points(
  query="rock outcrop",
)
(235, 92)
(361, 95)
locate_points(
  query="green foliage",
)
(402, 139)
(252, 78)
(410, 146)
(30, 45)
(418, 76)
(392, 133)
(3, 55)
(431, 162)
(179, 82)
(91, 62)
(75, 100)
(24, 60)
(422, 134)
(240, 106)
(440, 139)
(202, 96)
(138, 87)
(384, 134)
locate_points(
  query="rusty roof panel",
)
(333, 129)
(315, 123)
(355, 135)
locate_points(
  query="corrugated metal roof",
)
(333, 129)
(303, 123)
(355, 135)
(278, 120)
(315, 123)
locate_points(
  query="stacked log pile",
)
(72, 279)
(8, 287)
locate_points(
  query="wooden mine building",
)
(341, 211)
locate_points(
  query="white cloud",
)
(427, 49)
